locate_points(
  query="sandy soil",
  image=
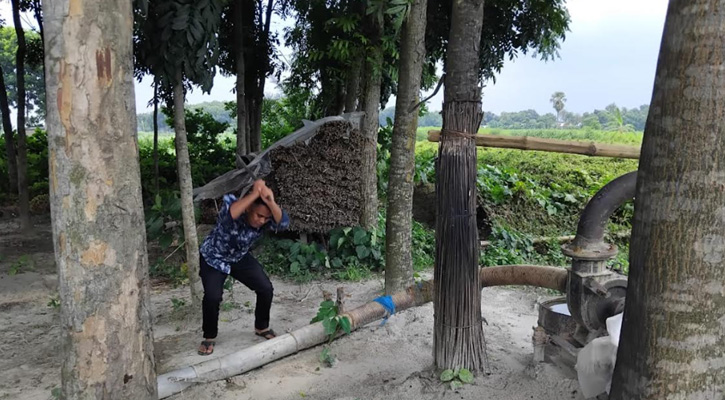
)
(376, 362)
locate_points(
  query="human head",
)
(258, 214)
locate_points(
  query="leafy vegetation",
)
(333, 323)
(456, 377)
(526, 195)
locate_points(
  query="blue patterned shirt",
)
(231, 239)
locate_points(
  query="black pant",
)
(250, 273)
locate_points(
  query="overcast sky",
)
(609, 56)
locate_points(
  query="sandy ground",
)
(376, 362)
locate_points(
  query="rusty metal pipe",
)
(524, 275)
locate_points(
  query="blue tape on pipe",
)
(388, 305)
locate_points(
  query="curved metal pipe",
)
(594, 218)
(524, 275)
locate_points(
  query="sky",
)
(609, 56)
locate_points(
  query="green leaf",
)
(447, 375)
(336, 262)
(155, 227)
(360, 237)
(294, 267)
(346, 230)
(362, 252)
(345, 324)
(395, 10)
(465, 376)
(340, 242)
(456, 384)
(327, 304)
(330, 326)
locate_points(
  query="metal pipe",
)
(524, 275)
(589, 240)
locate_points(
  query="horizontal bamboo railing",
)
(551, 145)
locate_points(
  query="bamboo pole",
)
(551, 145)
(312, 335)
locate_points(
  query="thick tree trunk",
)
(95, 196)
(22, 159)
(371, 126)
(458, 338)
(672, 344)
(352, 91)
(183, 166)
(398, 257)
(8, 132)
(242, 148)
(156, 137)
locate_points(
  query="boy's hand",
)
(259, 185)
(267, 195)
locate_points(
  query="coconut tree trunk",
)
(672, 344)
(95, 195)
(398, 257)
(458, 336)
(22, 159)
(156, 136)
(370, 128)
(242, 148)
(186, 187)
(8, 132)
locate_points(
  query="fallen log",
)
(551, 145)
(312, 335)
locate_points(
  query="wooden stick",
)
(340, 303)
(551, 145)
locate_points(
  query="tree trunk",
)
(95, 195)
(370, 128)
(672, 344)
(262, 79)
(156, 136)
(22, 159)
(458, 340)
(398, 257)
(186, 187)
(8, 131)
(362, 86)
(352, 92)
(242, 148)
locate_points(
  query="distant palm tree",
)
(557, 100)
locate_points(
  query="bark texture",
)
(672, 344)
(183, 167)
(97, 211)
(22, 157)
(156, 137)
(8, 132)
(352, 91)
(371, 125)
(242, 148)
(398, 257)
(458, 340)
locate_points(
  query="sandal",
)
(208, 348)
(268, 334)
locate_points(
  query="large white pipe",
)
(311, 335)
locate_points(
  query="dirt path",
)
(375, 362)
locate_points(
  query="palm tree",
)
(557, 100)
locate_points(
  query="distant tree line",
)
(611, 118)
